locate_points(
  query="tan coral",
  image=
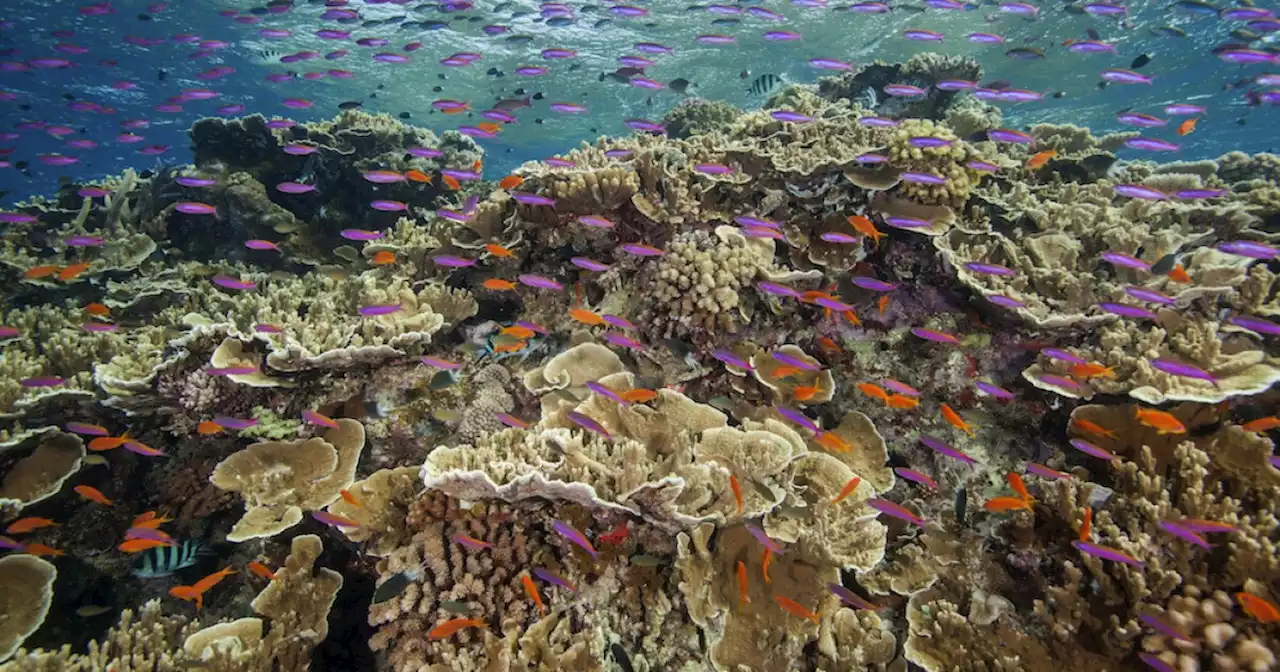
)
(764, 368)
(26, 592)
(41, 474)
(384, 500)
(230, 354)
(280, 479)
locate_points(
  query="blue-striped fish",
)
(165, 560)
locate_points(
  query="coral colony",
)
(869, 378)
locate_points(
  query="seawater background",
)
(1183, 67)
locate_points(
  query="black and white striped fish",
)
(764, 84)
(165, 560)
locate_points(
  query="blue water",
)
(1184, 70)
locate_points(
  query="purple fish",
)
(451, 261)
(235, 423)
(873, 284)
(553, 578)
(1255, 324)
(388, 206)
(574, 535)
(778, 290)
(619, 322)
(1042, 471)
(233, 283)
(1118, 76)
(942, 447)
(622, 340)
(1151, 144)
(731, 359)
(1106, 553)
(295, 188)
(333, 520)
(994, 390)
(851, 598)
(833, 304)
(984, 38)
(1190, 536)
(84, 241)
(588, 424)
(829, 64)
(895, 510)
(1249, 248)
(1090, 449)
(712, 168)
(1140, 120)
(532, 199)
(642, 250)
(764, 539)
(360, 234)
(1126, 260)
(955, 85)
(929, 141)
(604, 391)
(836, 237)
(1009, 135)
(920, 35)
(907, 223)
(878, 122)
(990, 269)
(1176, 368)
(935, 336)
(1140, 192)
(916, 177)
(379, 309)
(1059, 381)
(1144, 294)
(803, 365)
(42, 381)
(791, 116)
(1005, 301)
(798, 418)
(904, 90)
(539, 282)
(870, 157)
(916, 477)
(1193, 194)
(589, 264)
(193, 208)
(1125, 310)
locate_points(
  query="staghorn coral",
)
(279, 479)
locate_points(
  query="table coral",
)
(279, 479)
(26, 593)
(40, 475)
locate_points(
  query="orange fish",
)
(1015, 482)
(882, 303)
(518, 331)
(874, 391)
(828, 345)
(499, 251)
(478, 166)
(1002, 504)
(852, 318)
(37, 272)
(1040, 158)
(1262, 424)
(902, 401)
(510, 347)
(92, 494)
(956, 421)
(510, 182)
(736, 487)
(457, 110)
(212, 580)
(1258, 607)
(586, 317)
(764, 565)
(832, 441)
(1188, 126)
(350, 498)
(617, 535)
(451, 182)
(25, 525)
(451, 627)
(489, 126)
(785, 372)
(865, 227)
(1162, 422)
(804, 392)
(639, 395)
(73, 271)
(418, 176)
(531, 589)
(1086, 524)
(498, 285)
(742, 584)
(197, 590)
(140, 545)
(97, 309)
(1179, 274)
(149, 520)
(108, 442)
(261, 570)
(41, 550)
(795, 608)
(847, 489)
(1090, 427)
(206, 428)
(1092, 370)
(383, 258)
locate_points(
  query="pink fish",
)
(452, 261)
(936, 336)
(42, 381)
(86, 429)
(441, 363)
(233, 283)
(916, 477)
(539, 282)
(588, 424)
(257, 244)
(1045, 472)
(764, 539)
(574, 535)
(379, 309)
(195, 208)
(313, 418)
(1106, 553)
(333, 519)
(472, 542)
(511, 421)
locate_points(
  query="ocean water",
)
(1183, 68)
